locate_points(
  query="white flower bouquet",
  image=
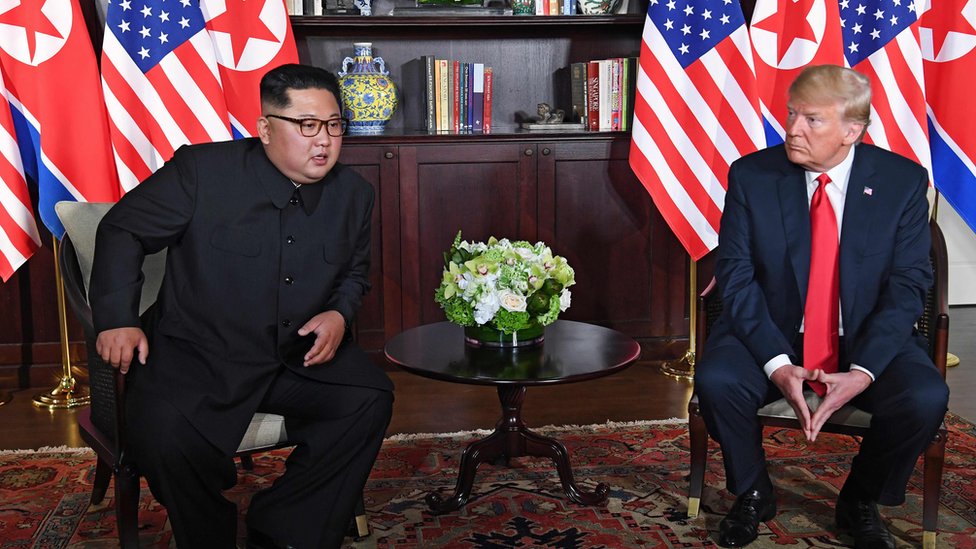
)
(509, 286)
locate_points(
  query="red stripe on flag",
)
(130, 100)
(897, 141)
(128, 155)
(177, 107)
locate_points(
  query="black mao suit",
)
(762, 273)
(250, 259)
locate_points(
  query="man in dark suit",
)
(268, 245)
(771, 280)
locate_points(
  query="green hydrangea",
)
(552, 314)
(456, 308)
(510, 321)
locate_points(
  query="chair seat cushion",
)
(848, 415)
(265, 431)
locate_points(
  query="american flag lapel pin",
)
(868, 191)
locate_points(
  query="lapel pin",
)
(868, 191)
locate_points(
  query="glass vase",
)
(489, 336)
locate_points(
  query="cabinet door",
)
(379, 316)
(482, 189)
(630, 269)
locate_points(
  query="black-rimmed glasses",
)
(310, 127)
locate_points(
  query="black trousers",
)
(907, 401)
(337, 429)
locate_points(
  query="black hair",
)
(276, 83)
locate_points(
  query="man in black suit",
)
(877, 201)
(268, 245)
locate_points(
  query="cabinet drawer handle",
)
(388, 154)
(545, 152)
(528, 152)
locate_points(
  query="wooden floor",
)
(640, 392)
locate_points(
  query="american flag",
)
(186, 71)
(948, 36)
(696, 112)
(54, 127)
(881, 40)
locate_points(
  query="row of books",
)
(457, 95)
(554, 7)
(603, 93)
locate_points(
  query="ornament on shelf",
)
(369, 97)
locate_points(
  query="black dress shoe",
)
(741, 526)
(259, 540)
(865, 524)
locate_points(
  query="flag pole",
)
(951, 359)
(684, 367)
(67, 393)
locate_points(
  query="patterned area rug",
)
(44, 494)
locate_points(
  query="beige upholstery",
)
(80, 221)
(847, 415)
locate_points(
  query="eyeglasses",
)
(310, 127)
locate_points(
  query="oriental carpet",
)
(44, 495)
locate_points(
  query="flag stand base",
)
(67, 394)
(951, 360)
(5, 397)
(682, 369)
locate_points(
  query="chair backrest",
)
(933, 324)
(80, 220)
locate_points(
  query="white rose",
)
(564, 300)
(512, 301)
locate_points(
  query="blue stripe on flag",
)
(952, 178)
(50, 191)
(772, 136)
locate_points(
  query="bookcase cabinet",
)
(573, 190)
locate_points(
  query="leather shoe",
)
(864, 522)
(741, 526)
(259, 540)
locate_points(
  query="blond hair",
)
(832, 84)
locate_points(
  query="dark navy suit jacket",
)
(764, 257)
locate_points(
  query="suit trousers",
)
(337, 430)
(907, 401)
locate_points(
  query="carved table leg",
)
(512, 439)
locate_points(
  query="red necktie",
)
(820, 337)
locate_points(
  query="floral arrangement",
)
(506, 285)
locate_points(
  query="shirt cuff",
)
(863, 369)
(776, 363)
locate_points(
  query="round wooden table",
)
(571, 352)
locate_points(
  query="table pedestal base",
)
(512, 439)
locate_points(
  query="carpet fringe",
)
(49, 450)
(405, 437)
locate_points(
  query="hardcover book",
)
(478, 97)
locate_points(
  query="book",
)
(489, 84)
(430, 95)
(605, 100)
(478, 97)
(443, 95)
(616, 76)
(593, 95)
(577, 83)
(628, 89)
(455, 96)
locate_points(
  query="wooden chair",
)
(102, 425)
(933, 325)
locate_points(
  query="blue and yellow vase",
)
(369, 97)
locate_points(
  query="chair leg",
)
(932, 488)
(698, 441)
(362, 525)
(127, 506)
(103, 474)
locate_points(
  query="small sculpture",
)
(548, 116)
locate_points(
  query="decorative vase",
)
(487, 336)
(369, 97)
(523, 7)
(598, 7)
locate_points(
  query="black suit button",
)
(293, 201)
(286, 323)
(290, 239)
(289, 280)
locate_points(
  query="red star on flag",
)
(28, 15)
(789, 23)
(947, 17)
(242, 22)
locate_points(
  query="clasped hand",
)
(841, 388)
